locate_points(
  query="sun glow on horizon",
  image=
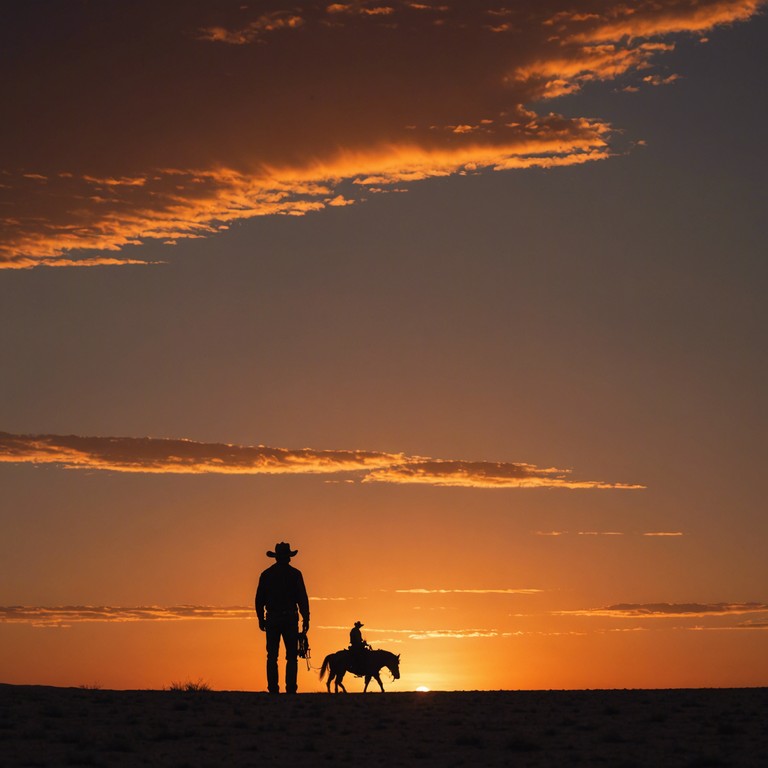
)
(423, 689)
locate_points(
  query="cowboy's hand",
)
(305, 628)
(262, 625)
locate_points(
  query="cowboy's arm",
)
(260, 603)
(303, 603)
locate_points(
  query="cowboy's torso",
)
(281, 589)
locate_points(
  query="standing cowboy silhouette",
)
(280, 597)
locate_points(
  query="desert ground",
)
(45, 726)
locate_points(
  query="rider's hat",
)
(359, 624)
(283, 549)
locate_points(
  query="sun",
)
(423, 689)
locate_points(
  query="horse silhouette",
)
(367, 665)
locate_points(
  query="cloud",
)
(175, 120)
(253, 30)
(419, 591)
(67, 616)
(753, 625)
(605, 533)
(454, 634)
(164, 456)
(64, 616)
(744, 625)
(482, 474)
(336, 599)
(431, 634)
(167, 456)
(669, 610)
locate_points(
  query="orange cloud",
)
(419, 591)
(269, 22)
(163, 456)
(670, 610)
(647, 19)
(64, 616)
(431, 634)
(482, 474)
(166, 456)
(606, 533)
(214, 112)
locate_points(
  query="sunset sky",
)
(466, 301)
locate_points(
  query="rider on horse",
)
(357, 646)
(359, 659)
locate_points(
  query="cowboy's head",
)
(283, 552)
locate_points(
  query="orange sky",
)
(464, 301)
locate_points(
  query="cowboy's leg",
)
(290, 633)
(273, 647)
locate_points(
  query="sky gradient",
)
(464, 301)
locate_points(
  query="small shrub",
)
(190, 685)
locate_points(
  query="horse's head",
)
(393, 665)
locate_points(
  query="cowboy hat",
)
(283, 549)
(359, 624)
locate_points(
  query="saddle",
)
(357, 657)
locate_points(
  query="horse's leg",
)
(328, 683)
(367, 680)
(378, 680)
(340, 683)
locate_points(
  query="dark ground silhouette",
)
(69, 726)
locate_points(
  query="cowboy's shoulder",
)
(271, 573)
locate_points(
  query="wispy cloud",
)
(669, 610)
(216, 111)
(336, 599)
(67, 615)
(167, 456)
(741, 627)
(430, 634)
(607, 533)
(455, 634)
(482, 474)
(63, 616)
(419, 591)
(470, 633)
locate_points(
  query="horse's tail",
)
(326, 664)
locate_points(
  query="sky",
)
(466, 301)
